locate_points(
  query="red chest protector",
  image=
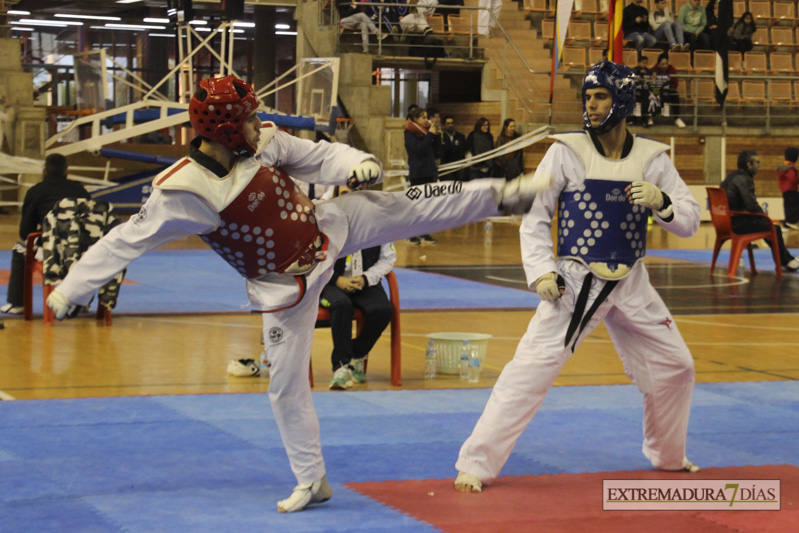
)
(267, 228)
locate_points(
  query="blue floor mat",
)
(198, 281)
(215, 462)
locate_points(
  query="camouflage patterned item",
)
(68, 231)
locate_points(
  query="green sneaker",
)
(341, 379)
(358, 370)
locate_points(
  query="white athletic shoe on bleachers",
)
(466, 482)
(305, 494)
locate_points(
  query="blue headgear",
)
(620, 81)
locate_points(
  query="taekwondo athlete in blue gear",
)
(604, 183)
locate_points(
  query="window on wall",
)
(408, 87)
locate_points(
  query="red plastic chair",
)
(31, 267)
(323, 321)
(722, 221)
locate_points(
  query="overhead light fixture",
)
(92, 17)
(282, 27)
(285, 33)
(134, 27)
(160, 35)
(205, 30)
(17, 12)
(244, 24)
(127, 1)
(198, 22)
(156, 20)
(18, 28)
(53, 23)
(231, 31)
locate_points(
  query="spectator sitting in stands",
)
(447, 12)
(509, 165)
(416, 20)
(453, 147)
(352, 16)
(356, 284)
(693, 19)
(712, 14)
(478, 142)
(39, 200)
(643, 92)
(635, 25)
(389, 16)
(742, 31)
(664, 85)
(739, 186)
(665, 28)
(789, 187)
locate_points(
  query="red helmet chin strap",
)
(220, 116)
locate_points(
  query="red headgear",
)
(221, 114)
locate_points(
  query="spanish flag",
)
(615, 34)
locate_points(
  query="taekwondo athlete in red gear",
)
(605, 182)
(235, 191)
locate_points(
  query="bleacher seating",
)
(574, 57)
(784, 12)
(761, 11)
(781, 63)
(753, 91)
(780, 92)
(755, 63)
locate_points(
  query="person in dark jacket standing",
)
(39, 200)
(478, 142)
(635, 25)
(511, 165)
(739, 186)
(789, 187)
(422, 142)
(453, 146)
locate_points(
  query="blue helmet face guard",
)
(620, 81)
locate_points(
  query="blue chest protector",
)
(600, 228)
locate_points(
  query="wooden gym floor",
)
(737, 331)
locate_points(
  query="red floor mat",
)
(573, 503)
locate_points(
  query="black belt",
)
(578, 319)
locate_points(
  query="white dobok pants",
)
(352, 222)
(651, 348)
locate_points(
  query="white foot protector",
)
(317, 492)
(518, 194)
(466, 482)
(688, 466)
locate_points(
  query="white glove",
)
(645, 194)
(550, 286)
(518, 194)
(364, 174)
(59, 304)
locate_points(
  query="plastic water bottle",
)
(474, 365)
(463, 361)
(430, 360)
(488, 233)
(263, 366)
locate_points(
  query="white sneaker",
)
(679, 123)
(650, 122)
(10, 309)
(243, 368)
(303, 495)
(342, 379)
(468, 483)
